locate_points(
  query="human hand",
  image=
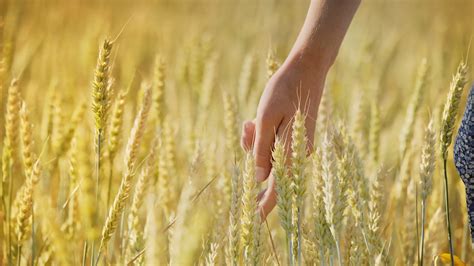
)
(297, 84)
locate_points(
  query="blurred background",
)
(52, 46)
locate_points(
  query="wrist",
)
(313, 60)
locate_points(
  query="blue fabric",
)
(464, 156)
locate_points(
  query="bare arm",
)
(301, 76)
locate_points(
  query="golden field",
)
(121, 123)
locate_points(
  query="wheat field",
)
(121, 122)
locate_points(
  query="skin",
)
(298, 83)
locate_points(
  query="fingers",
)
(248, 133)
(267, 198)
(264, 139)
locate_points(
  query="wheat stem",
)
(448, 219)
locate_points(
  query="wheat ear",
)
(272, 63)
(130, 159)
(135, 232)
(332, 191)
(322, 233)
(406, 135)
(299, 151)
(67, 136)
(249, 206)
(447, 127)
(427, 166)
(159, 86)
(100, 104)
(234, 226)
(284, 190)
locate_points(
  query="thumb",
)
(264, 138)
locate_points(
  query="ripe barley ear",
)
(447, 127)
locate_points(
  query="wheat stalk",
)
(272, 63)
(72, 224)
(26, 204)
(115, 135)
(135, 232)
(159, 86)
(426, 175)
(406, 135)
(246, 78)
(100, 104)
(332, 192)
(130, 160)
(374, 223)
(284, 192)
(322, 233)
(234, 226)
(374, 134)
(447, 126)
(67, 137)
(299, 161)
(249, 207)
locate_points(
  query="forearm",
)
(322, 33)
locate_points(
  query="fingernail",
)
(260, 174)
